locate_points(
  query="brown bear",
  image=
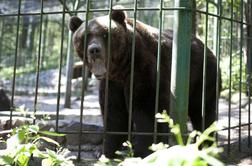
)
(5, 103)
(145, 73)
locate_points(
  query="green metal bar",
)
(236, 126)
(131, 9)
(249, 41)
(63, 3)
(70, 61)
(107, 73)
(158, 67)
(15, 63)
(118, 133)
(230, 78)
(60, 65)
(180, 70)
(218, 52)
(38, 62)
(83, 78)
(240, 73)
(132, 71)
(204, 71)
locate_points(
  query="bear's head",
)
(97, 32)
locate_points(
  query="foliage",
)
(183, 154)
(22, 146)
(7, 72)
(235, 73)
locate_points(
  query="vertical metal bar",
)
(158, 67)
(83, 78)
(15, 62)
(240, 72)
(249, 72)
(218, 52)
(249, 101)
(132, 70)
(215, 27)
(180, 70)
(230, 77)
(204, 70)
(60, 65)
(38, 61)
(70, 61)
(107, 73)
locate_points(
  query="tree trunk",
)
(1, 38)
(43, 46)
(31, 39)
(24, 33)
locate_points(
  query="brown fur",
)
(144, 87)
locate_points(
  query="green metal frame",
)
(180, 71)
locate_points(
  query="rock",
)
(15, 123)
(73, 139)
(236, 97)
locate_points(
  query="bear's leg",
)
(195, 109)
(210, 108)
(117, 118)
(143, 123)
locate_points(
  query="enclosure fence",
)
(35, 38)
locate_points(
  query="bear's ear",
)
(75, 23)
(118, 14)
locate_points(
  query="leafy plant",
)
(235, 75)
(183, 154)
(22, 145)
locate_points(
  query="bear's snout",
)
(94, 51)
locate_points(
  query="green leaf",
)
(6, 160)
(199, 162)
(31, 148)
(23, 159)
(21, 135)
(50, 133)
(211, 160)
(51, 153)
(47, 162)
(49, 140)
(34, 128)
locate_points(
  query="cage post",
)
(38, 65)
(248, 65)
(230, 76)
(181, 63)
(132, 71)
(70, 61)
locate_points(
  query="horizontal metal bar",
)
(237, 126)
(129, 9)
(117, 133)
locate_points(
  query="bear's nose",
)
(94, 50)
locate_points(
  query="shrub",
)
(22, 145)
(190, 153)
